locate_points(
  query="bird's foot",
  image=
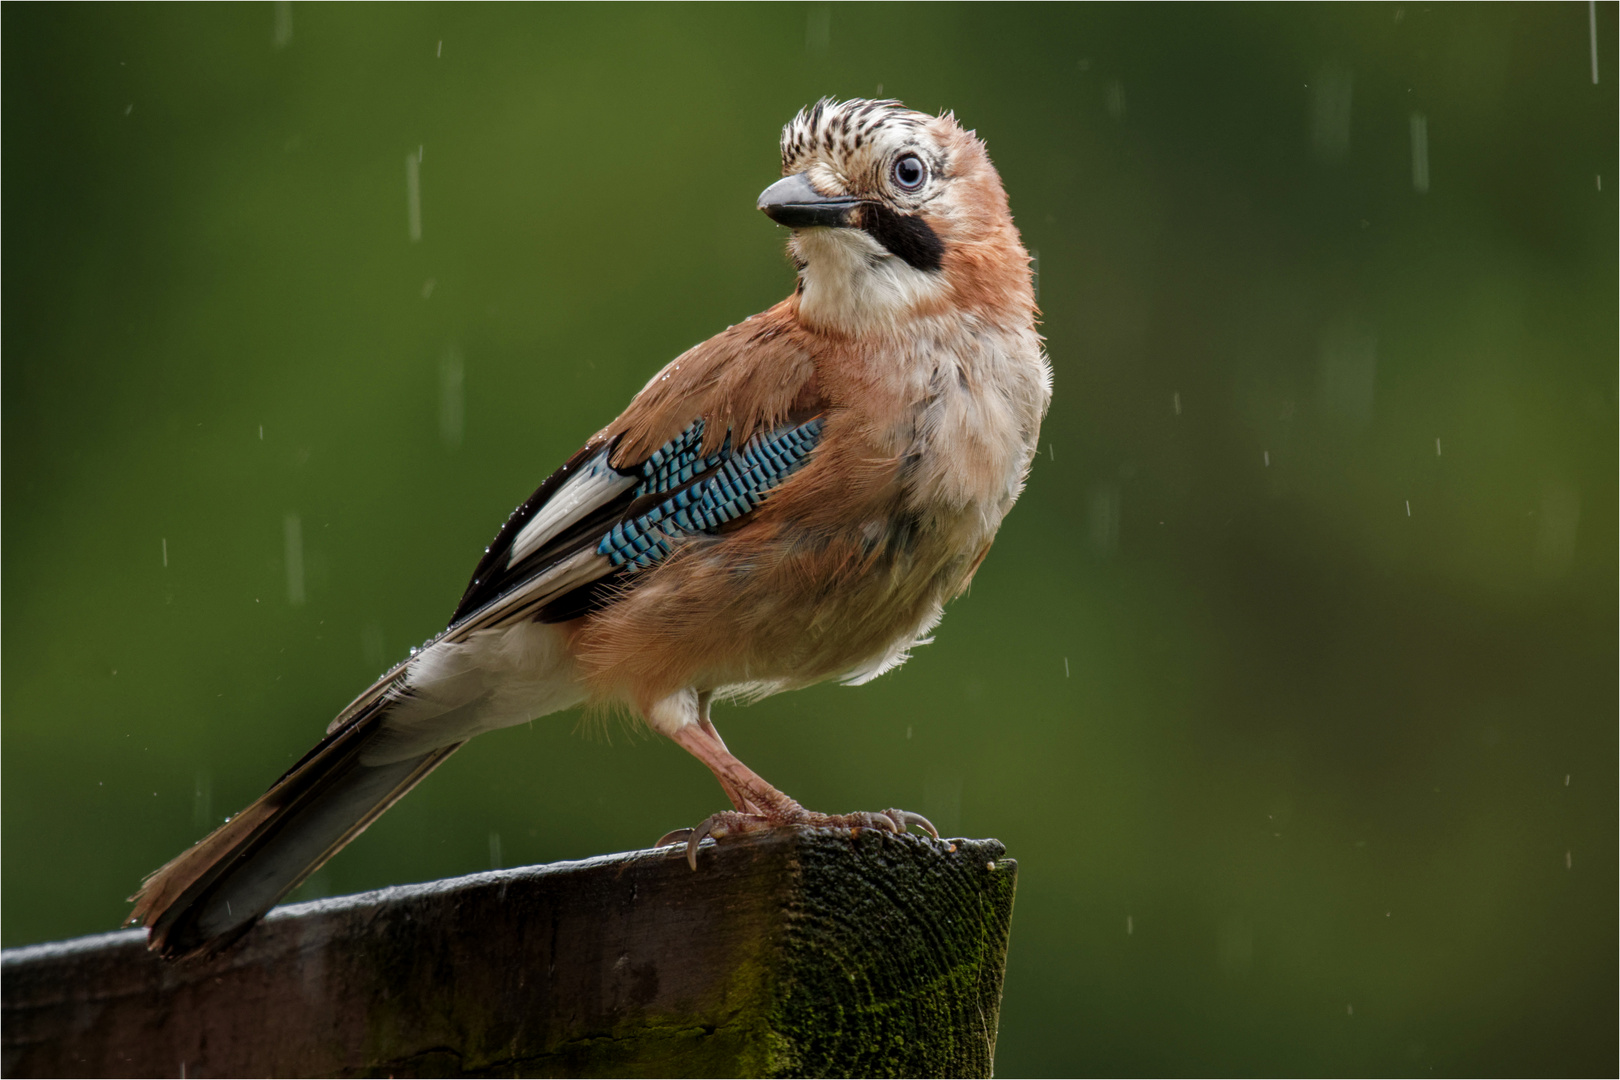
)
(732, 822)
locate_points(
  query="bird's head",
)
(896, 215)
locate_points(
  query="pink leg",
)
(761, 806)
(734, 793)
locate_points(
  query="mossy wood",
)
(807, 952)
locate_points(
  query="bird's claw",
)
(905, 818)
(719, 826)
(674, 836)
(715, 826)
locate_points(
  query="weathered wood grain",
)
(806, 952)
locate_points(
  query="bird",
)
(792, 501)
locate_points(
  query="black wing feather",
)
(492, 578)
(682, 494)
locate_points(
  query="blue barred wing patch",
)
(675, 463)
(741, 483)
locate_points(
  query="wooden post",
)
(803, 952)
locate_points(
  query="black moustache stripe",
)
(901, 234)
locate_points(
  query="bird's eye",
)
(909, 172)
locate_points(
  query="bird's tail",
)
(213, 893)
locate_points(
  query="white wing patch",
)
(597, 484)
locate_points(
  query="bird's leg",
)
(733, 792)
(759, 805)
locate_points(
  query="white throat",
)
(852, 284)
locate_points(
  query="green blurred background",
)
(1291, 682)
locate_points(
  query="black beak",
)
(791, 201)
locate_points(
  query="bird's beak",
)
(791, 201)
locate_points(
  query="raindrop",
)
(1557, 527)
(292, 530)
(1420, 153)
(1175, 402)
(818, 28)
(1591, 22)
(452, 400)
(372, 646)
(942, 793)
(413, 195)
(282, 36)
(1116, 100)
(1104, 517)
(1330, 112)
(1347, 371)
(494, 851)
(165, 552)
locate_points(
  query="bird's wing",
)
(545, 546)
(570, 551)
(700, 447)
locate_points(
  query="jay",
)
(791, 501)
